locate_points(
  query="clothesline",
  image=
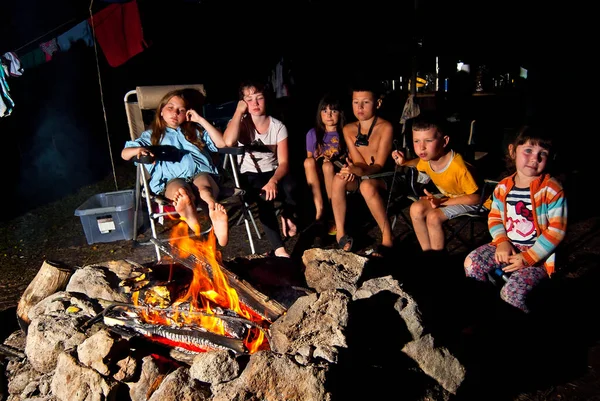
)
(45, 34)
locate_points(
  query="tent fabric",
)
(118, 30)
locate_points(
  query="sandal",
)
(345, 243)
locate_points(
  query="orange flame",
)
(205, 291)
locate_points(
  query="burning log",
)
(259, 303)
(51, 277)
(191, 338)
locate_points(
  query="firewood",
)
(51, 278)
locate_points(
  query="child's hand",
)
(143, 155)
(193, 116)
(347, 171)
(398, 157)
(142, 151)
(434, 201)
(242, 107)
(517, 262)
(270, 190)
(504, 251)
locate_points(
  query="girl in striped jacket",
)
(527, 221)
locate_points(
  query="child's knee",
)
(328, 168)
(310, 162)
(368, 189)
(468, 263)
(417, 209)
(435, 218)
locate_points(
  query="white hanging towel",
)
(14, 64)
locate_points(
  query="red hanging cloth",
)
(118, 30)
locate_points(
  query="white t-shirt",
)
(255, 161)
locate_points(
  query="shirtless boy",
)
(369, 143)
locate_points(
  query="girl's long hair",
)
(333, 103)
(189, 129)
(247, 127)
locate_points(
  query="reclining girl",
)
(176, 124)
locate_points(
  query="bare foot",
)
(181, 200)
(186, 209)
(288, 227)
(283, 227)
(218, 216)
(281, 253)
(292, 229)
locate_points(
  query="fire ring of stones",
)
(124, 331)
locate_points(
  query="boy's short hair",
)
(428, 120)
(367, 85)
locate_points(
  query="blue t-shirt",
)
(193, 162)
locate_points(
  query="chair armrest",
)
(233, 150)
(377, 175)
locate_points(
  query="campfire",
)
(188, 327)
(212, 309)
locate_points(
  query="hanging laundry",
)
(81, 31)
(49, 48)
(33, 59)
(6, 103)
(13, 63)
(118, 30)
(281, 79)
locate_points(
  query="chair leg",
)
(246, 212)
(151, 218)
(137, 204)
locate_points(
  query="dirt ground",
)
(53, 232)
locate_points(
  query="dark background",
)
(68, 125)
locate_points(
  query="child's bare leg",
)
(184, 201)
(369, 189)
(328, 174)
(435, 221)
(338, 204)
(208, 190)
(418, 216)
(312, 179)
(218, 217)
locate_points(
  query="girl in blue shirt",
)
(174, 125)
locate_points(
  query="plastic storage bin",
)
(107, 217)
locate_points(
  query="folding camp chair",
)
(142, 101)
